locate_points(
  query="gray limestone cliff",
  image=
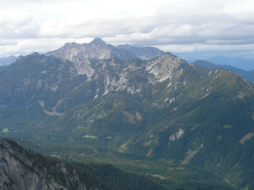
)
(81, 54)
(21, 171)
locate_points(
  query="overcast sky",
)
(188, 28)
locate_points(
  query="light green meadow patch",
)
(246, 137)
(90, 137)
(5, 130)
(109, 137)
(227, 126)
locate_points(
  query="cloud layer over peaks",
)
(173, 25)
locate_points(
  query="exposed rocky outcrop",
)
(20, 170)
(165, 67)
(80, 54)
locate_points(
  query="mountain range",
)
(238, 62)
(248, 75)
(134, 102)
(80, 54)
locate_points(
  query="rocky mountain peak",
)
(80, 54)
(165, 66)
(98, 42)
(168, 54)
(35, 53)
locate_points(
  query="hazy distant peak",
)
(70, 44)
(126, 46)
(170, 54)
(98, 42)
(98, 49)
(34, 53)
(7, 60)
(238, 62)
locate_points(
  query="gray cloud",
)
(181, 26)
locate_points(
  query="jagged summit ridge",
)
(80, 54)
(98, 42)
(167, 67)
(97, 48)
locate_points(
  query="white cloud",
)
(174, 25)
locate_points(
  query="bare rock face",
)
(89, 59)
(80, 54)
(165, 67)
(19, 171)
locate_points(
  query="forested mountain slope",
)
(24, 169)
(21, 169)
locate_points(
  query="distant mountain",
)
(248, 75)
(190, 60)
(245, 64)
(7, 60)
(80, 54)
(205, 64)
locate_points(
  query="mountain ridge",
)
(248, 75)
(97, 49)
(238, 62)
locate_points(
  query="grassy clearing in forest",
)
(90, 137)
(5, 130)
